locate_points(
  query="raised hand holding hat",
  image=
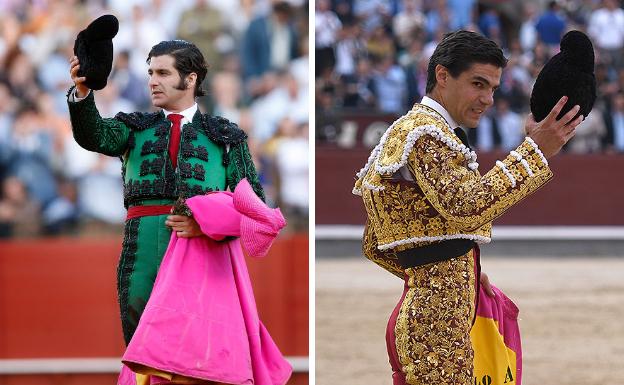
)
(569, 73)
(94, 49)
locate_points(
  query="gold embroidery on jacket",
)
(449, 198)
(387, 259)
(433, 326)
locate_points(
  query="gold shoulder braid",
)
(448, 198)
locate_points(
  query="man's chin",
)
(473, 123)
(157, 103)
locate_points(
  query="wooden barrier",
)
(58, 300)
(585, 190)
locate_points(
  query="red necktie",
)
(174, 140)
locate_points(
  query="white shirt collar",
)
(187, 114)
(427, 101)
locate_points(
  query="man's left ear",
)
(442, 74)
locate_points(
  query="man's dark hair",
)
(188, 59)
(459, 50)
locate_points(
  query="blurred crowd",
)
(372, 55)
(49, 185)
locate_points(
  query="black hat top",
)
(579, 50)
(569, 73)
(103, 28)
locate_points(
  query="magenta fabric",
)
(502, 309)
(201, 319)
(398, 377)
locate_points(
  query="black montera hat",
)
(569, 73)
(94, 48)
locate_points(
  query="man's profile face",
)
(164, 81)
(469, 95)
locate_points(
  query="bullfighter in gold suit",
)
(429, 207)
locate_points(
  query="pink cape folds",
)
(201, 319)
(496, 340)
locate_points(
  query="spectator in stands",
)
(32, 152)
(291, 160)
(226, 93)
(8, 106)
(137, 36)
(269, 44)
(389, 86)
(327, 29)
(31, 148)
(130, 84)
(359, 88)
(510, 125)
(490, 24)
(19, 216)
(287, 99)
(416, 77)
(380, 44)
(408, 24)
(437, 20)
(606, 27)
(21, 81)
(372, 13)
(349, 49)
(590, 133)
(528, 33)
(550, 27)
(614, 120)
(204, 25)
(461, 13)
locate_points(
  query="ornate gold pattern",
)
(387, 260)
(448, 199)
(433, 326)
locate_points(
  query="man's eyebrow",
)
(159, 70)
(484, 80)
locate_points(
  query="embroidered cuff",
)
(537, 150)
(522, 161)
(535, 160)
(503, 168)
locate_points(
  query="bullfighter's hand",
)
(551, 134)
(185, 227)
(487, 286)
(81, 89)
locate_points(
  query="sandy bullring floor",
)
(571, 311)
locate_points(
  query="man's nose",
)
(151, 82)
(487, 98)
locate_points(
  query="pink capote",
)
(201, 319)
(502, 310)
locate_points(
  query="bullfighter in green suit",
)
(174, 153)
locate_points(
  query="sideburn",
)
(181, 86)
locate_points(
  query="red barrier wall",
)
(58, 297)
(586, 190)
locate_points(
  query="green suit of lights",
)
(213, 156)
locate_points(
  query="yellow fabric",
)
(144, 372)
(447, 199)
(494, 362)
